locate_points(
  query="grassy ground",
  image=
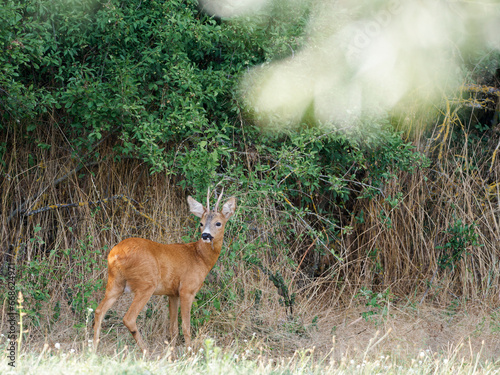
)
(400, 339)
(246, 358)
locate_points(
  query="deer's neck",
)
(209, 252)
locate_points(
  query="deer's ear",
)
(195, 207)
(229, 207)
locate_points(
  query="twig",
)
(126, 199)
(21, 210)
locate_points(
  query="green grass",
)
(244, 360)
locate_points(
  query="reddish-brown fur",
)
(146, 267)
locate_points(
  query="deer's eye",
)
(218, 224)
(201, 224)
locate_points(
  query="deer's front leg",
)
(186, 303)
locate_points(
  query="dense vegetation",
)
(113, 112)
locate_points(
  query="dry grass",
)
(253, 357)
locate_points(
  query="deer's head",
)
(212, 222)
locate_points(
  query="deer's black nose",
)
(206, 236)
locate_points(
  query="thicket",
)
(113, 112)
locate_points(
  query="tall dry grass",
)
(401, 247)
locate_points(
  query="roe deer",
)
(145, 268)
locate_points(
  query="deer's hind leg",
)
(141, 297)
(114, 289)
